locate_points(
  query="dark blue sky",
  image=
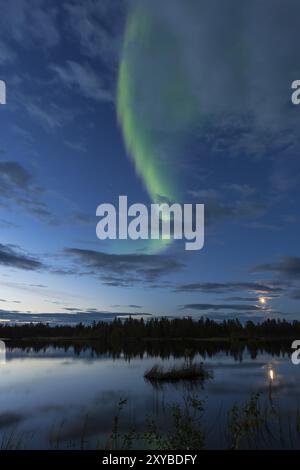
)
(209, 89)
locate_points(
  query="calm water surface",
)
(64, 397)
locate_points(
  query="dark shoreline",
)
(164, 339)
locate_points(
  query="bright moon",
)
(262, 300)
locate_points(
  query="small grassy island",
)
(175, 373)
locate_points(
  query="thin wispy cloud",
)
(225, 287)
(7, 54)
(98, 26)
(12, 257)
(30, 23)
(126, 269)
(216, 307)
(18, 186)
(86, 317)
(82, 78)
(287, 267)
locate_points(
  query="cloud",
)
(86, 317)
(263, 226)
(51, 117)
(129, 306)
(221, 288)
(125, 269)
(39, 209)
(98, 26)
(243, 190)
(241, 299)
(219, 207)
(43, 100)
(216, 307)
(287, 267)
(11, 257)
(246, 101)
(41, 286)
(82, 218)
(7, 224)
(295, 294)
(22, 133)
(17, 184)
(30, 23)
(7, 55)
(11, 301)
(83, 78)
(13, 175)
(76, 146)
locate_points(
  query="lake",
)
(65, 396)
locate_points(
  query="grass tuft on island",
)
(184, 372)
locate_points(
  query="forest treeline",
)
(155, 329)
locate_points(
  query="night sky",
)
(184, 101)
